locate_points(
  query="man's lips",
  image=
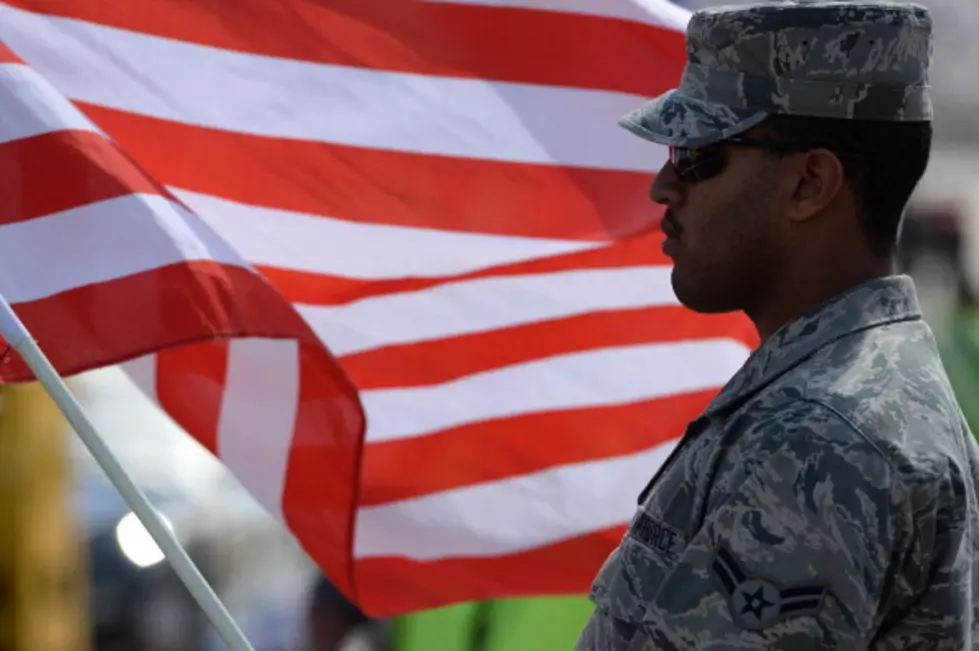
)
(672, 233)
(669, 229)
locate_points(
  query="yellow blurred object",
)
(43, 582)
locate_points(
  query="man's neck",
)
(810, 287)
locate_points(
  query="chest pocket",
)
(674, 502)
(670, 513)
(625, 585)
(664, 522)
(618, 598)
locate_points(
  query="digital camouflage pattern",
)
(825, 499)
(864, 61)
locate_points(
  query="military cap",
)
(850, 60)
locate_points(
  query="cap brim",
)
(677, 119)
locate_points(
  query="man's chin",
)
(701, 297)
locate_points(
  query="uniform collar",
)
(868, 305)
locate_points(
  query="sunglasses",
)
(701, 163)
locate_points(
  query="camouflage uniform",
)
(826, 499)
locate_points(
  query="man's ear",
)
(816, 180)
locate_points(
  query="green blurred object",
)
(501, 625)
(960, 354)
(442, 629)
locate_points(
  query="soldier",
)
(826, 499)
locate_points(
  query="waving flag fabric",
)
(217, 192)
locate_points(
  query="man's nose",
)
(666, 188)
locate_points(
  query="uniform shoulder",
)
(889, 387)
(811, 437)
(792, 424)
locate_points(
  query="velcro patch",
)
(657, 535)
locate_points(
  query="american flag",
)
(217, 193)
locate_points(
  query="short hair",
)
(882, 161)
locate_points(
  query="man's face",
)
(722, 230)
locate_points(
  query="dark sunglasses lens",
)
(697, 164)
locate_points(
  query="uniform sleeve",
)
(795, 555)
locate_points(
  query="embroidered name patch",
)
(657, 535)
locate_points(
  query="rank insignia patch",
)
(757, 603)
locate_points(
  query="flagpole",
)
(18, 337)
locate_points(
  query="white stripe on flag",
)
(100, 242)
(615, 376)
(484, 304)
(510, 515)
(142, 372)
(258, 414)
(32, 106)
(318, 244)
(660, 13)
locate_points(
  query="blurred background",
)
(109, 589)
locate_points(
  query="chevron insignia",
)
(756, 603)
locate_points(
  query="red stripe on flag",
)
(442, 360)
(393, 586)
(386, 187)
(321, 492)
(66, 169)
(197, 371)
(321, 289)
(495, 43)
(508, 447)
(7, 55)
(181, 304)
